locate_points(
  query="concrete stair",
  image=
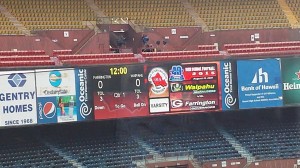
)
(237, 145)
(64, 155)
(95, 8)
(289, 14)
(14, 21)
(198, 21)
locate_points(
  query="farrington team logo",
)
(55, 78)
(159, 80)
(17, 79)
(49, 110)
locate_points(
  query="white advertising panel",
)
(56, 95)
(159, 105)
(17, 98)
(55, 82)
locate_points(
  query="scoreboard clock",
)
(119, 91)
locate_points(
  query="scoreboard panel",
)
(119, 91)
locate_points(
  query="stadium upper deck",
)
(212, 15)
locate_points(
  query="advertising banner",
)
(259, 83)
(158, 89)
(56, 95)
(194, 87)
(119, 91)
(17, 98)
(290, 69)
(84, 97)
(229, 88)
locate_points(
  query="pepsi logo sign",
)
(49, 110)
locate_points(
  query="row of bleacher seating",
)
(204, 52)
(184, 57)
(24, 58)
(92, 56)
(172, 13)
(265, 135)
(90, 146)
(255, 45)
(178, 53)
(21, 53)
(200, 140)
(40, 14)
(268, 54)
(263, 49)
(32, 63)
(95, 61)
(207, 47)
(69, 14)
(22, 150)
(212, 12)
(61, 52)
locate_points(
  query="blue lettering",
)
(17, 96)
(5, 109)
(12, 122)
(17, 108)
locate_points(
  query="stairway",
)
(156, 156)
(194, 14)
(14, 21)
(289, 14)
(237, 145)
(64, 155)
(95, 8)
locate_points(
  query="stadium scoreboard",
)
(140, 90)
(118, 91)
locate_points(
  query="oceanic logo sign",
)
(260, 77)
(229, 100)
(85, 110)
(55, 78)
(17, 79)
(229, 85)
(49, 110)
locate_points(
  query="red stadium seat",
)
(27, 63)
(24, 58)
(100, 61)
(207, 47)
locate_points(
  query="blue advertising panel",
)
(229, 86)
(47, 110)
(259, 83)
(84, 96)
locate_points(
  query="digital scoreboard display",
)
(119, 91)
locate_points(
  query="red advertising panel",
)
(194, 87)
(119, 91)
(184, 87)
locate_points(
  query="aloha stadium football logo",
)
(159, 80)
